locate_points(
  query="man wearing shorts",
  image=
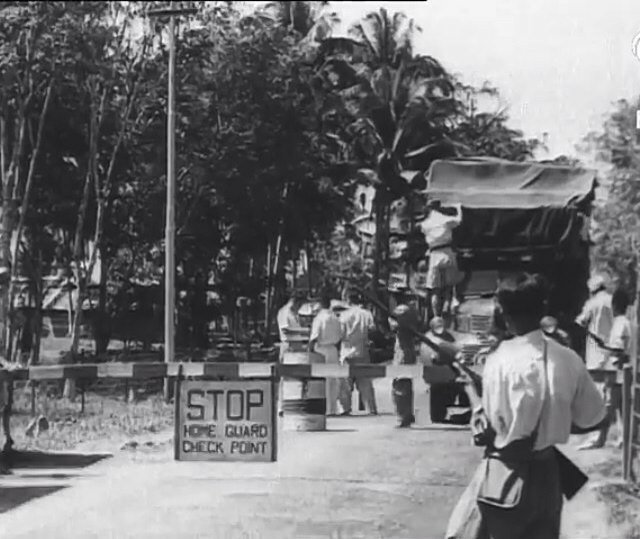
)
(443, 273)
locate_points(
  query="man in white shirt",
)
(597, 318)
(288, 321)
(615, 355)
(535, 393)
(443, 274)
(325, 340)
(356, 323)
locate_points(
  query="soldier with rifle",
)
(404, 322)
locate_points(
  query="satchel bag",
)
(506, 472)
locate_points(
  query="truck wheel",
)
(439, 397)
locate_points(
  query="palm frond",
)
(361, 34)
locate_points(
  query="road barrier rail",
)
(146, 370)
(133, 373)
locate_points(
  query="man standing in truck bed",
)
(443, 273)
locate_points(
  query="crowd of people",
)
(341, 338)
(341, 332)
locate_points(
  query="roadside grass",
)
(107, 417)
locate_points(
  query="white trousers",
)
(330, 353)
(365, 389)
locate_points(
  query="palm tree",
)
(313, 21)
(398, 109)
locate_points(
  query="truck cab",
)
(473, 318)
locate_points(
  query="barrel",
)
(304, 402)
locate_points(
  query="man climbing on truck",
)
(443, 274)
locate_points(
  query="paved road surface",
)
(361, 479)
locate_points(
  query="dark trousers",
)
(538, 514)
(403, 399)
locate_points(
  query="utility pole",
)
(170, 227)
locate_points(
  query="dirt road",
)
(361, 479)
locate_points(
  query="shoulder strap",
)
(534, 434)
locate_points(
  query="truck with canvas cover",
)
(516, 216)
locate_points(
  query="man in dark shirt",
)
(406, 320)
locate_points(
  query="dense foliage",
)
(277, 120)
(616, 221)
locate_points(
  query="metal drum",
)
(304, 402)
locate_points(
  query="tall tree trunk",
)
(24, 206)
(267, 299)
(34, 358)
(381, 241)
(381, 248)
(96, 114)
(103, 197)
(10, 177)
(274, 284)
(102, 326)
(276, 265)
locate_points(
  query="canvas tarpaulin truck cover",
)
(509, 205)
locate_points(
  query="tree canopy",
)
(277, 120)
(616, 220)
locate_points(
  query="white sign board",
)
(225, 421)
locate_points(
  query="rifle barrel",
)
(438, 348)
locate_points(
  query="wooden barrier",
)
(141, 371)
(627, 423)
(628, 377)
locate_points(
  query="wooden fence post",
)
(634, 418)
(82, 395)
(627, 421)
(33, 397)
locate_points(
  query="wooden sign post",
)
(225, 421)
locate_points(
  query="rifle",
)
(604, 346)
(448, 352)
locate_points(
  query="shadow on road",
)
(18, 488)
(12, 497)
(441, 426)
(41, 459)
